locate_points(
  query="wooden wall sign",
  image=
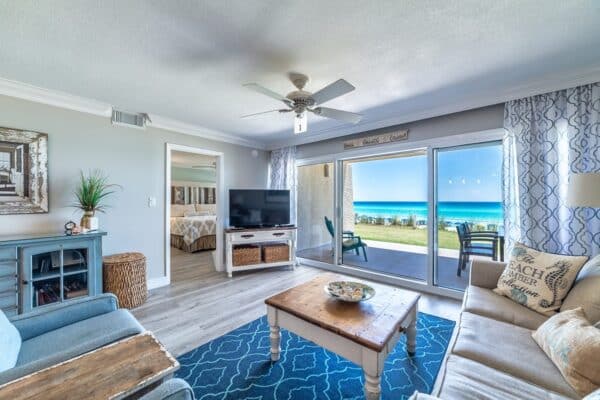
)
(391, 137)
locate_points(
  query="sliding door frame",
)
(430, 145)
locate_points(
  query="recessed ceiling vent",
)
(132, 120)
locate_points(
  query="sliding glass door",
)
(316, 212)
(414, 217)
(468, 209)
(385, 214)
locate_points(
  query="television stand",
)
(259, 237)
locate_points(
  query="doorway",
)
(194, 207)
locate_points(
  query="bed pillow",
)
(538, 280)
(210, 208)
(179, 210)
(10, 343)
(573, 345)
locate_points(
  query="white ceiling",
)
(187, 60)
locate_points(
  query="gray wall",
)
(132, 158)
(452, 124)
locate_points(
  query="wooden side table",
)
(125, 276)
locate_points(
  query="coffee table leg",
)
(372, 365)
(275, 333)
(411, 334)
(372, 387)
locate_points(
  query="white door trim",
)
(220, 189)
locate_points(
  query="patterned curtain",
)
(548, 137)
(282, 174)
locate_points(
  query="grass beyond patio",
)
(404, 235)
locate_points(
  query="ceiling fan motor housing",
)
(301, 100)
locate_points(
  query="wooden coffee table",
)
(124, 369)
(364, 333)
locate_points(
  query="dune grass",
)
(405, 235)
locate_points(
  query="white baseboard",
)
(154, 283)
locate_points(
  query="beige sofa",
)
(492, 355)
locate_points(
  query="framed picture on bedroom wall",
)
(23, 172)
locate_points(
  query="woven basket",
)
(275, 252)
(246, 255)
(125, 276)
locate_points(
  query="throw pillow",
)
(586, 291)
(538, 280)
(573, 345)
(10, 343)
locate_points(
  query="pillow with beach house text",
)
(538, 280)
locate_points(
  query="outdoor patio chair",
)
(475, 243)
(349, 240)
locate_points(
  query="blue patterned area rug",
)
(238, 366)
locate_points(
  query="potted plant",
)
(91, 194)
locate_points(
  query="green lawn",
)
(404, 235)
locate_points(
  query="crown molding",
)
(206, 133)
(68, 101)
(54, 98)
(549, 84)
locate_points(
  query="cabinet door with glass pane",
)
(56, 273)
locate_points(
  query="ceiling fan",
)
(301, 102)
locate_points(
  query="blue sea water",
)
(451, 211)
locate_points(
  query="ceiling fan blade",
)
(340, 115)
(301, 123)
(333, 90)
(263, 112)
(261, 89)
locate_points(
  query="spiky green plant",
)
(93, 191)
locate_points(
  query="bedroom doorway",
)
(194, 211)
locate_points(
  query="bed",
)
(193, 228)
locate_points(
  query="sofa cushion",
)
(586, 291)
(71, 341)
(539, 280)
(489, 304)
(10, 343)
(573, 344)
(508, 348)
(469, 380)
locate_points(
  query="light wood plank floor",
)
(202, 304)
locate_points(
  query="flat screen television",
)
(258, 208)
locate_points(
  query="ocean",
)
(455, 211)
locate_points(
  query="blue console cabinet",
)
(43, 269)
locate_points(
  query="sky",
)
(464, 174)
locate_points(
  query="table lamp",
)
(584, 190)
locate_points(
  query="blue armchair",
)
(173, 389)
(57, 333)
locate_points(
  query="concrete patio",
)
(398, 259)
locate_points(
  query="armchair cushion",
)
(72, 340)
(173, 389)
(538, 280)
(49, 318)
(10, 343)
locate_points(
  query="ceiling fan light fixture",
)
(300, 123)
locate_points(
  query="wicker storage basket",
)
(124, 275)
(246, 255)
(275, 252)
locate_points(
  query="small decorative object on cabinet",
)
(125, 277)
(37, 270)
(91, 196)
(248, 249)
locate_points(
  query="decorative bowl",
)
(349, 291)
